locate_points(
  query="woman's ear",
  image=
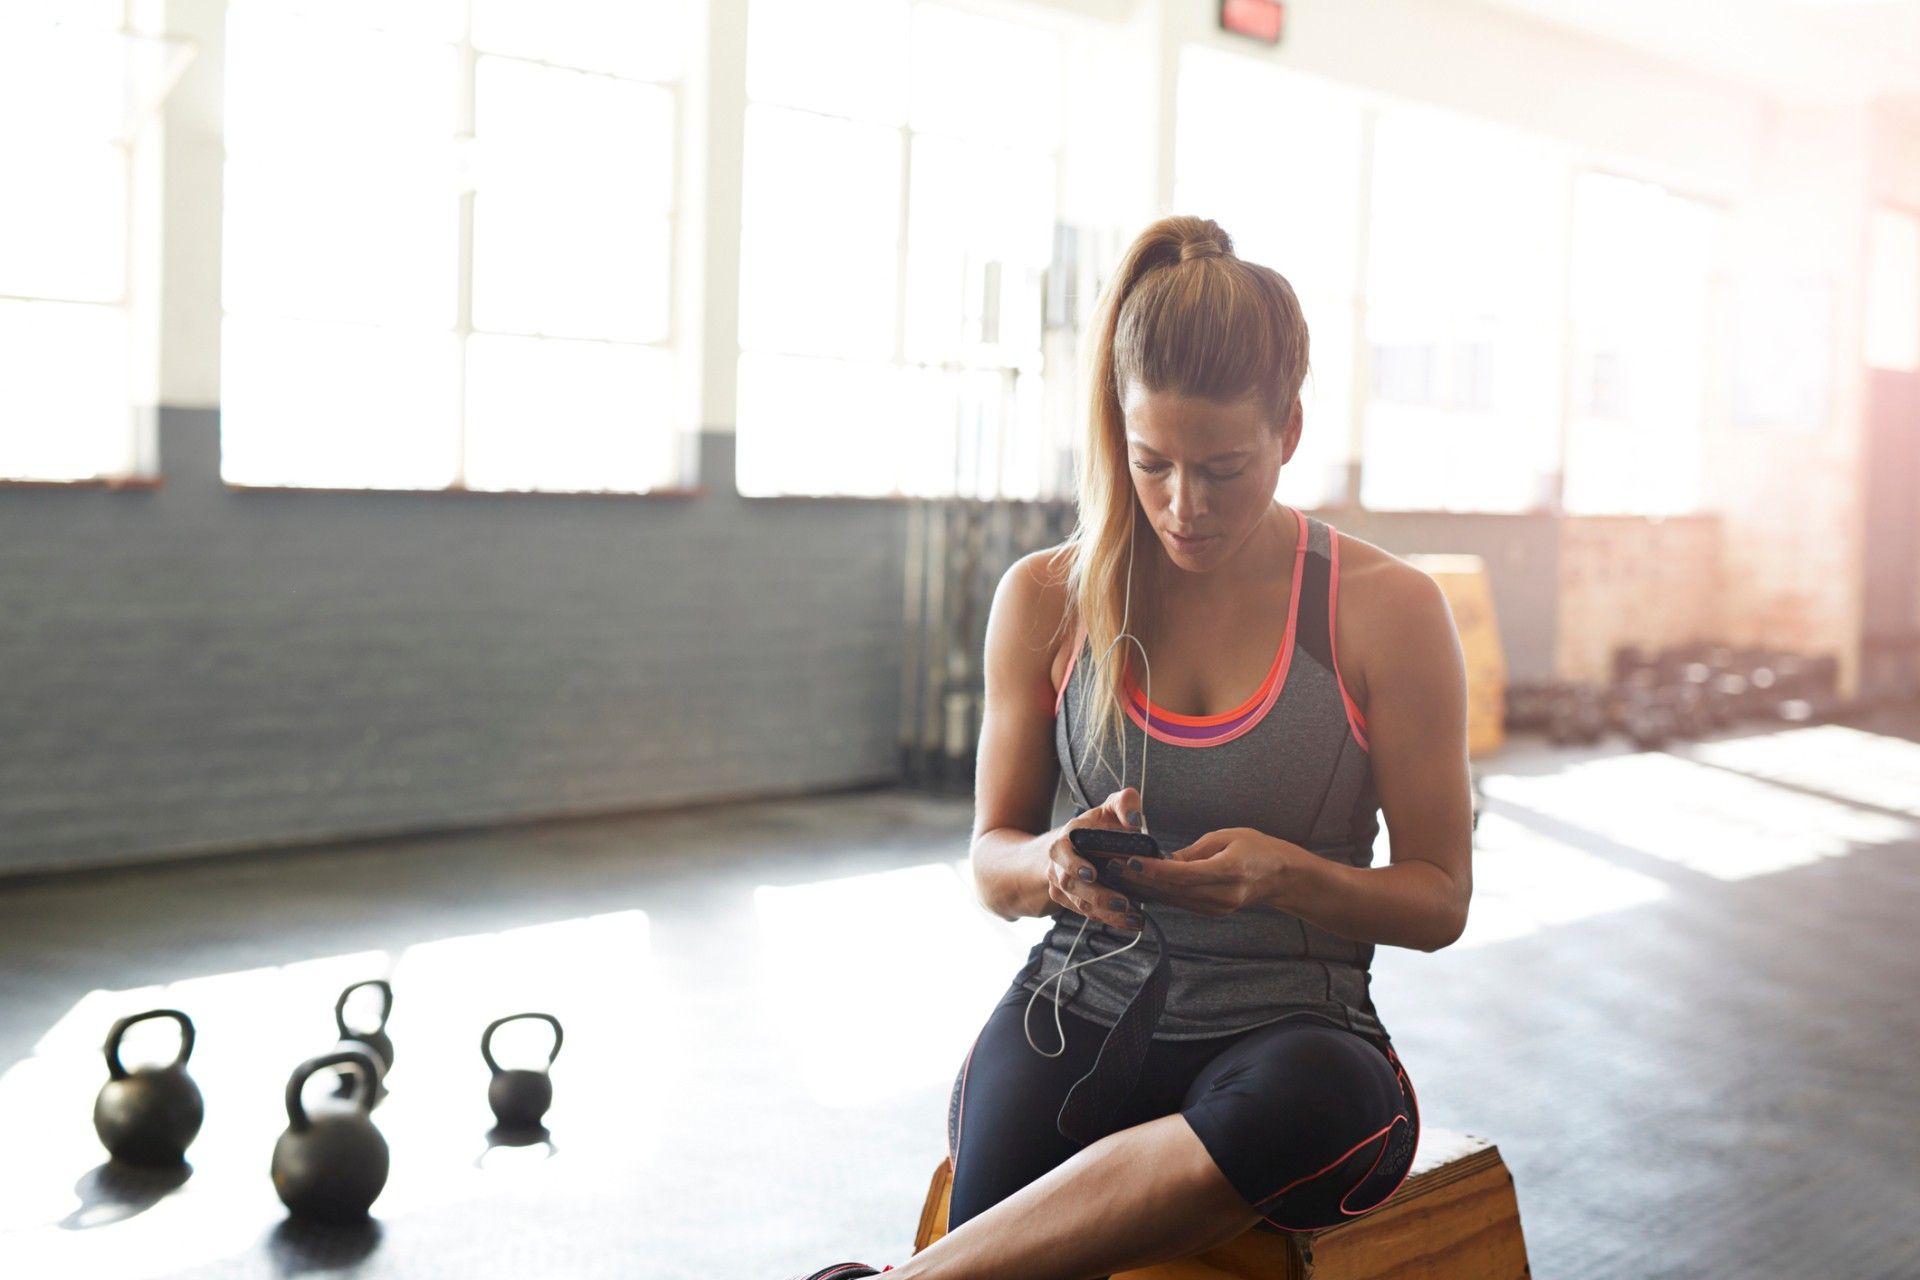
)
(1290, 434)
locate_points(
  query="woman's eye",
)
(1153, 470)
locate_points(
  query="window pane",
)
(1317, 475)
(359, 244)
(642, 40)
(568, 415)
(63, 220)
(284, 99)
(1642, 262)
(337, 405)
(1465, 255)
(831, 426)
(950, 49)
(64, 399)
(979, 238)
(1893, 291)
(75, 15)
(339, 205)
(441, 20)
(575, 180)
(1031, 461)
(820, 233)
(71, 82)
(839, 57)
(1297, 209)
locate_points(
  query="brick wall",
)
(1626, 580)
(195, 669)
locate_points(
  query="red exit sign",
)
(1261, 19)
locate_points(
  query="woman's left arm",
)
(1416, 686)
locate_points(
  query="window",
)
(1893, 291)
(458, 273)
(69, 206)
(1274, 157)
(897, 231)
(1644, 264)
(1463, 314)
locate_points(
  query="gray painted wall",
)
(1522, 552)
(194, 669)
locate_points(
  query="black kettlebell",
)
(519, 1098)
(377, 1039)
(330, 1167)
(346, 1091)
(149, 1116)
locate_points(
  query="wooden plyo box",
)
(1454, 1218)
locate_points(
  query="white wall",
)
(1697, 133)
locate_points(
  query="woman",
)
(1251, 1079)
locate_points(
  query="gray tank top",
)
(1291, 761)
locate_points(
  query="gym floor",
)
(1690, 1035)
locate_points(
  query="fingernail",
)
(1086, 873)
(1135, 922)
(1133, 863)
(1118, 904)
(1132, 817)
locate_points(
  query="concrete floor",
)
(1684, 1010)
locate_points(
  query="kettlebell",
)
(331, 1167)
(345, 1091)
(149, 1116)
(377, 1039)
(519, 1098)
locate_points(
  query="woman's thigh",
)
(1312, 1124)
(1002, 1130)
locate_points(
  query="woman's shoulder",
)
(1039, 604)
(1380, 597)
(1040, 578)
(1373, 572)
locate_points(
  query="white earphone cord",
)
(1126, 616)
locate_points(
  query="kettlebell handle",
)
(363, 1066)
(119, 1029)
(386, 1006)
(486, 1037)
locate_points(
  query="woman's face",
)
(1204, 470)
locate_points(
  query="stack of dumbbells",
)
(1678, 693)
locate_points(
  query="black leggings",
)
(1311, 1123)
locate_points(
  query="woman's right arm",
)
(1022, 866)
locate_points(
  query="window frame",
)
(906, 134)
(462, 144)
(141, 194)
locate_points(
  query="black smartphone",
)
(1107, 848)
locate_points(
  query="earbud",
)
(1126, 617)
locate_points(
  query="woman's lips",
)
(1190, 544)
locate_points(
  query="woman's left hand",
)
(1217, 874)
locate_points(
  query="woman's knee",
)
(1307, 1072)
(1301, 1119)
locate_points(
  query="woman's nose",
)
(1185, 501)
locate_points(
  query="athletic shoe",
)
(845, 1271)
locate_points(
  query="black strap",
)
(1092, 1105)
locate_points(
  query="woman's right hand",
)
(1072, 880)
